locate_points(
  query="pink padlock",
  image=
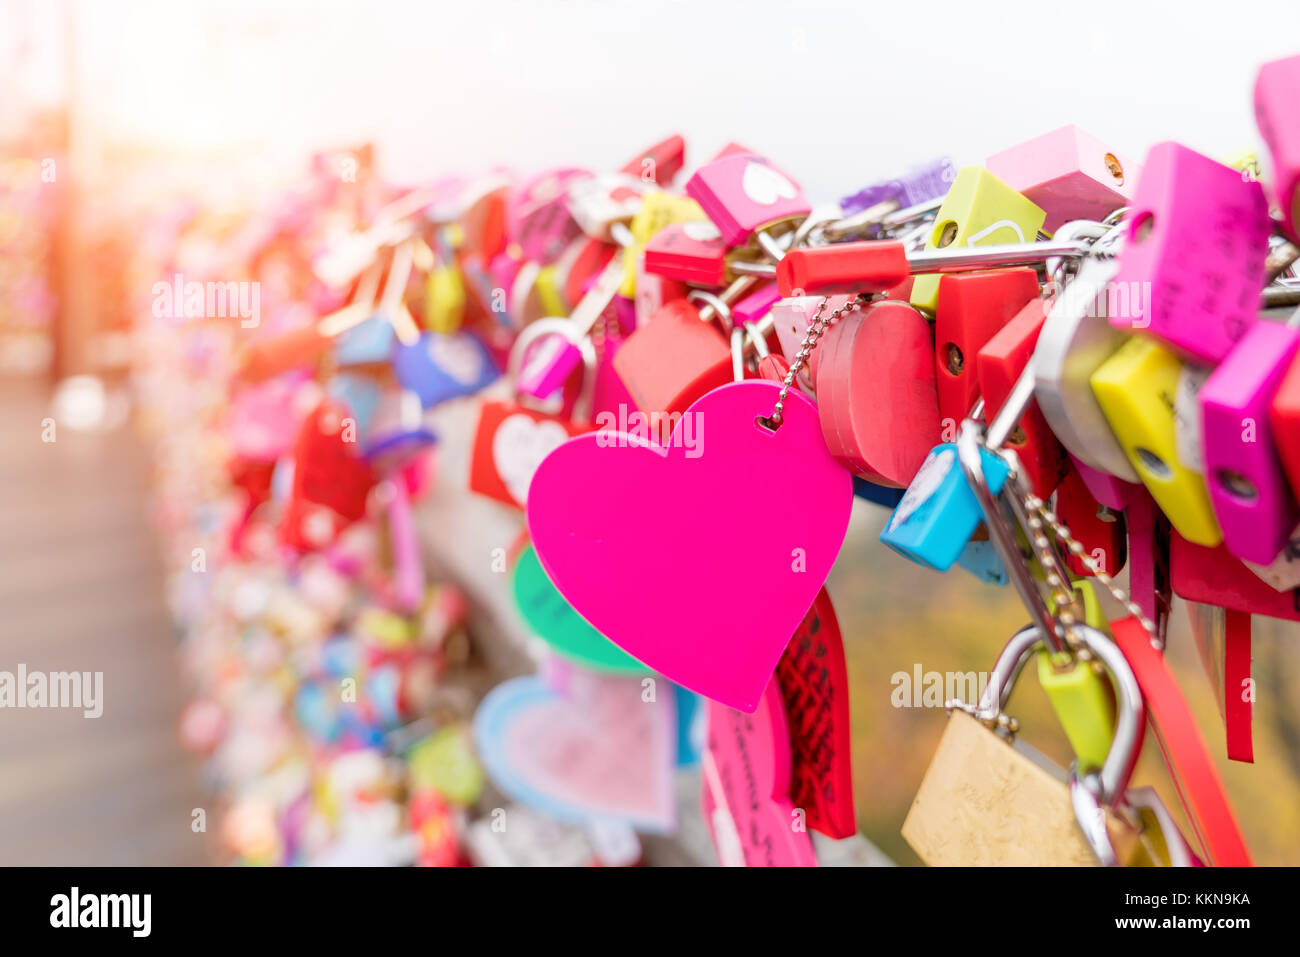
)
(547, 365)
(1069, 173)
(537, 213)
(756, 305)
(1108, 490)
(1248, 489)
(791, 317)
(1193, 262)
(743, 194)
(1277, 91)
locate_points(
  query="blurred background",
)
(139, 137)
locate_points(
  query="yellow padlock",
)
(444, 299)
(979, 210)
(548, 293)
(658, 209)
(1136, 390)
(1080, 694)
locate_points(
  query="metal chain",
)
(816, 329)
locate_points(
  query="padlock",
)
(653, 292)
(1075, 341)
(998, 364)
(985, 801)
(752, 308)
(876, 394)
(919, 184)
(440, 367)
(747, 198)
(1284, 417)
(1100, 530)
(969, 310)
(982, 560)
(1277, 89)
(658, 210)
(659, 164)
(694, 252)
(330, 480)
(979, 209)
(1212, 576)
(791, 318)
(511, 439)
(1080, 694)
(1247, 487)
(1069, 174)
(886, 495)
(939, 513)
(673, 360)
(1196, 239)
(1135, 388)
(537, 215)
(579, 265)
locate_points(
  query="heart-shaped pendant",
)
(745, 792)
(599, 753)
(699, 559)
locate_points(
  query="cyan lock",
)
(981, 559)
(939, 513)
(369, 343)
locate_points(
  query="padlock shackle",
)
(557, 326)
(1002, 536)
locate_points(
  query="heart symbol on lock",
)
(699, 559)
(596, 753)
(518, 448)
(766, 186)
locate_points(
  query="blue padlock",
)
(439, 366)
(369, 343)
(879, 494)
(939, 513)
(360, 393)
(982, 560)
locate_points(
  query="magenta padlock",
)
(1068, 173)
(1193, 259)
(1108, 490)
(1277, 91)
(756, 305)
(537, 213)
(744, 194)
(1248, 489)
(547, 366)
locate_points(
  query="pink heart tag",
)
(702, 558)
(596, 752)
(745, 793)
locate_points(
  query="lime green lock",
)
(979, 210)
(445, 762)
(553, 619)
(1081, 697)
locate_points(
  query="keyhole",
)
(1154, 464)
(1116, 170)
(947, 235)
(956, 361)
(1018, 436)
(1142, 227)
(1236, 484)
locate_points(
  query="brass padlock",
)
(990, 801)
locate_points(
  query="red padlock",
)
(673, 360)
(1100, 532)
(693, 252)
(998, 364)
(972, 307)
(330, 479)
(660, 163)
(510, 441)
(876, 393)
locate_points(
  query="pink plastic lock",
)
(791, 317)
(1193, 263)
(1069, 173)
(1248, 489)
(742, 193)
(1277, 91)
(537, 213)
(756, 305)
(1108, 490)
(547, 366)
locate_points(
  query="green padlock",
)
(1081, 697)
(553, 619)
